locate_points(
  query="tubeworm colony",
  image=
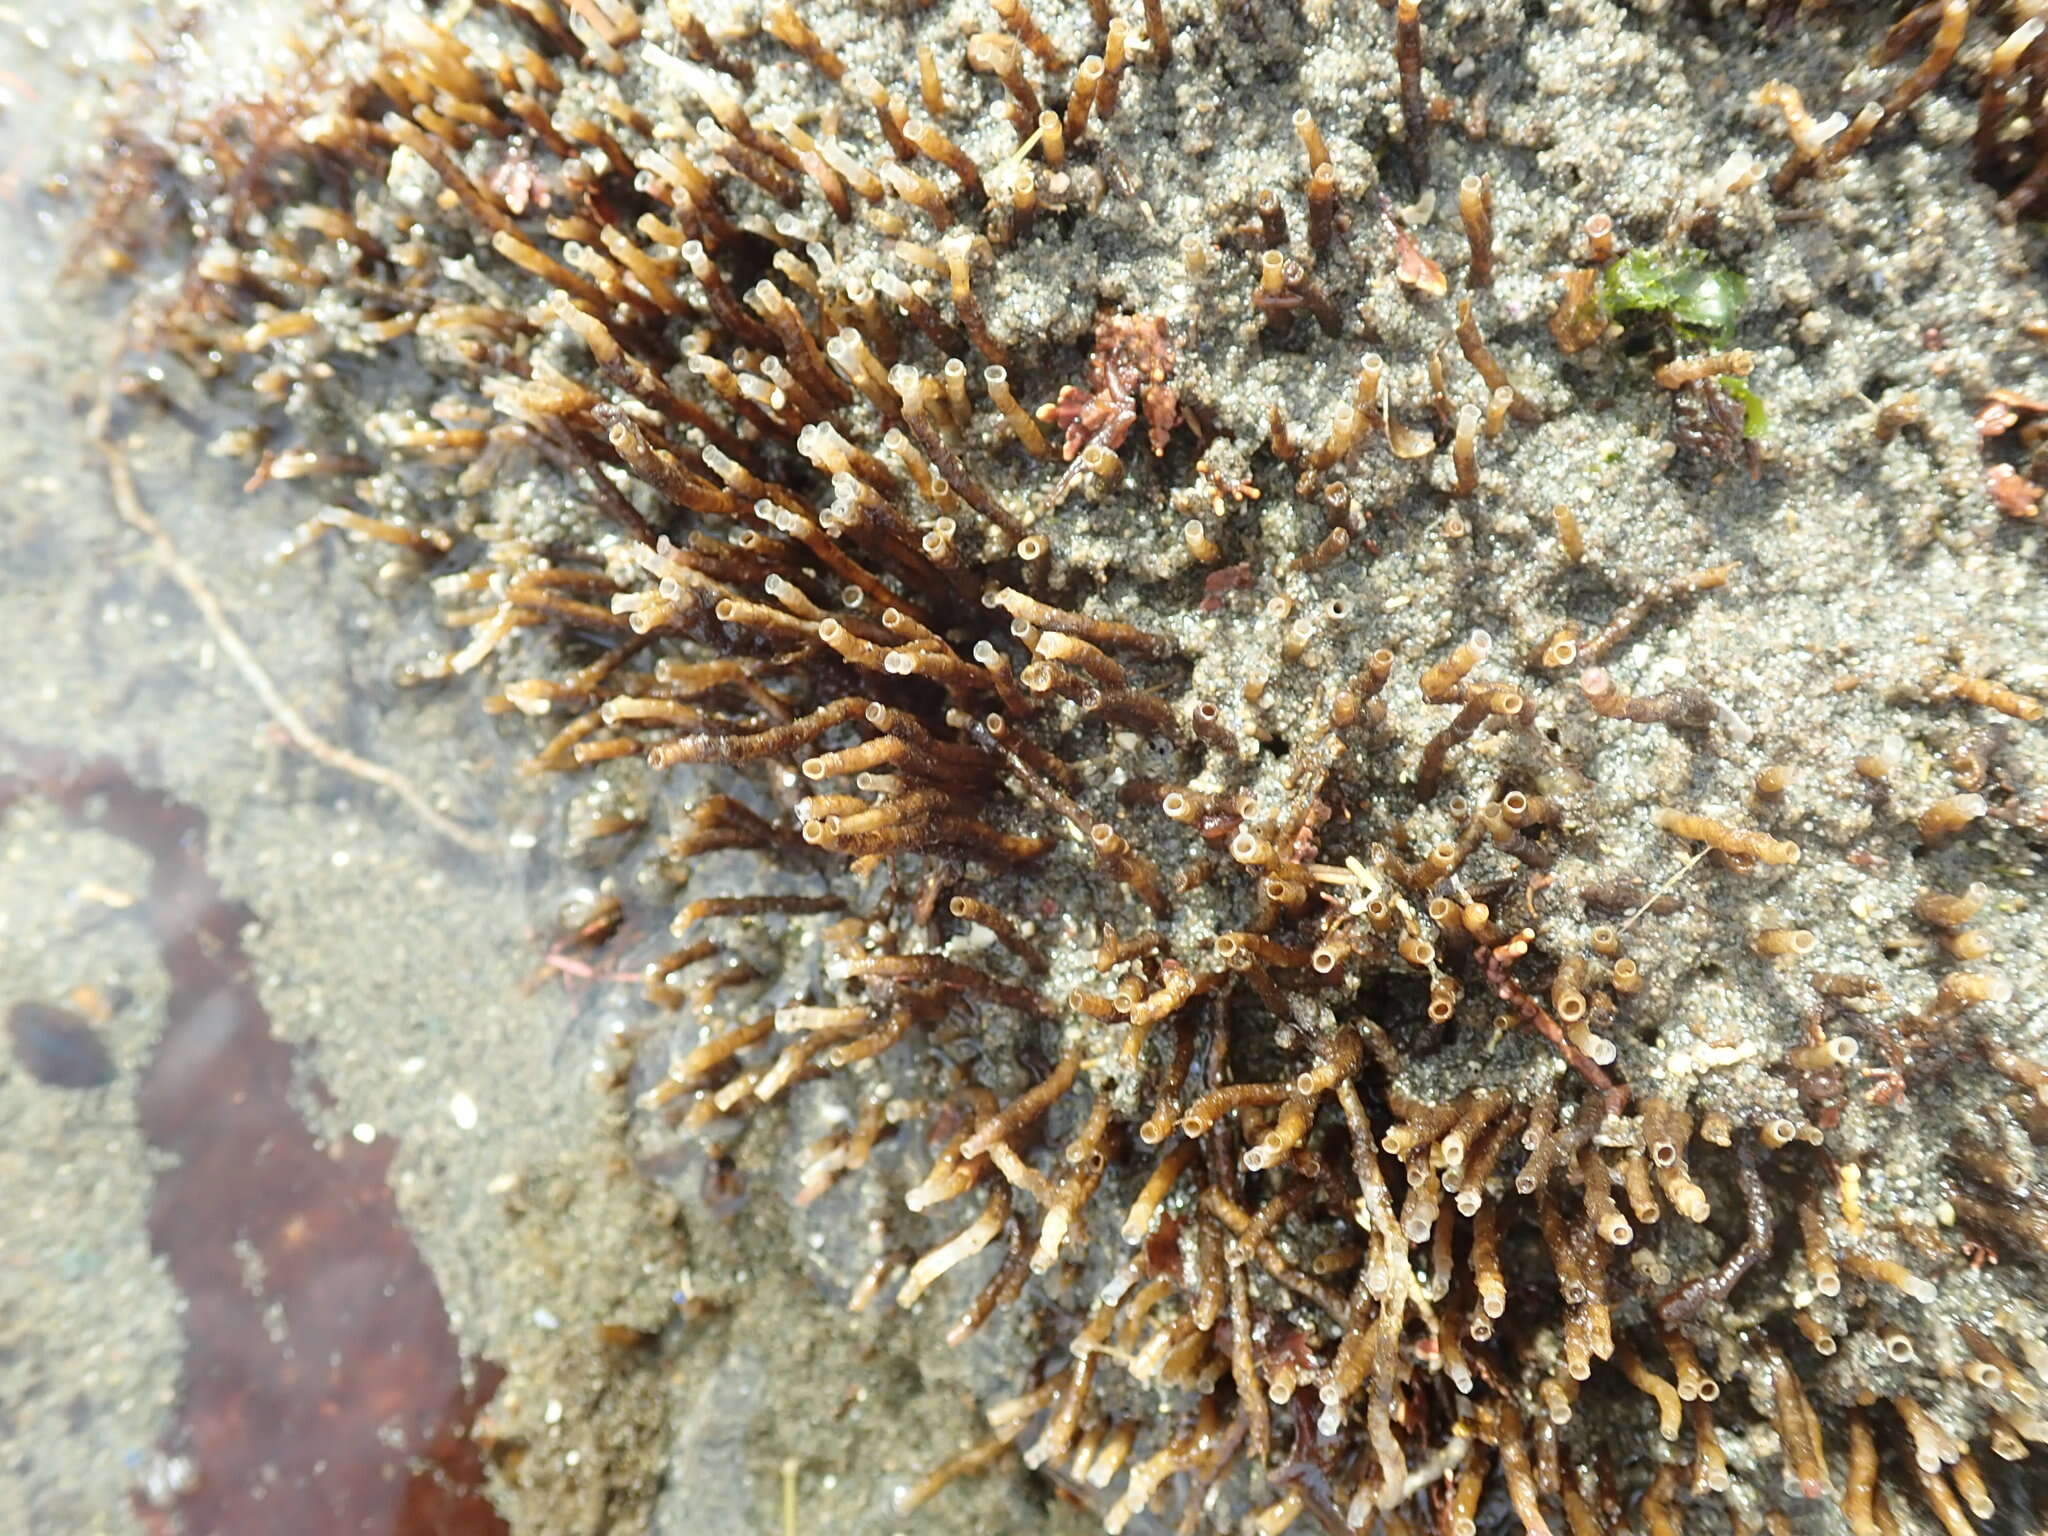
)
(1242, 858)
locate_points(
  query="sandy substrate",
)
(678, 1360)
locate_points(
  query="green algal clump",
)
(1700, 302)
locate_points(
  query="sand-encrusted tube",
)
(1736, 841)
(970, 1240)
(1475, 212)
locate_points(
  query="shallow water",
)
(214, 1302)
(309, 1168)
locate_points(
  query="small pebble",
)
(57, 1047)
